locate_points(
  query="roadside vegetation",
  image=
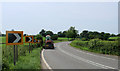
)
(99, 42)
(104, 43)
(25, 59)
(29, 61)
(98, 46)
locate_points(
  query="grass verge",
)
(30, 61)
(97, 46)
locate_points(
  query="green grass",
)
(30, 61)
(3, 39)
(61, 39)
(23, 55)
(113, 37)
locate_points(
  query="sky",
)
(59, 0)
(31, 17)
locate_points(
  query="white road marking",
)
(30, 39)
(17, 38)
(87, 61)
(45, 61)
(95, 55)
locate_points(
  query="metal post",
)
(29, 47)
(17, 53)
(14, 56)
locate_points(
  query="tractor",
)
(48, 43)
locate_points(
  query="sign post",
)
(14, 56)
(16, 49)
(29, 39)
(29, 47)
(14, 38)
(35, 41)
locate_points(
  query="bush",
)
(84, 39)
(54, 37)
(39, 37)
(94, 44)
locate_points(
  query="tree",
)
(60, 34)
(71, 33)
(118, 35)
(102, 35)
(39, 37)
(12, 30)
(54, 37)
(25, 35)
(106, 36)
(64, 32)
(42, 32)
(85, 34)
(49, 33)
(112, 35)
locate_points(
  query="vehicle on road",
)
(48, 43)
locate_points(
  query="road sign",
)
(35, 41)
(14, 37)
(39, 41)
(28, 39)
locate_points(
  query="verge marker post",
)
(29, 47)
(17, 53)
(14, 56)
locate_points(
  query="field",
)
(60, 39)
(114, 38)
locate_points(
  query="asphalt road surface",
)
(66, 57)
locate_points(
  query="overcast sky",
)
(31, 17)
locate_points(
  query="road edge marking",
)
(82, 51)
(47, 65)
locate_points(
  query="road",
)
(66, 57)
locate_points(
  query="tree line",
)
(73, 33)
(87, 35)
(70, 33)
